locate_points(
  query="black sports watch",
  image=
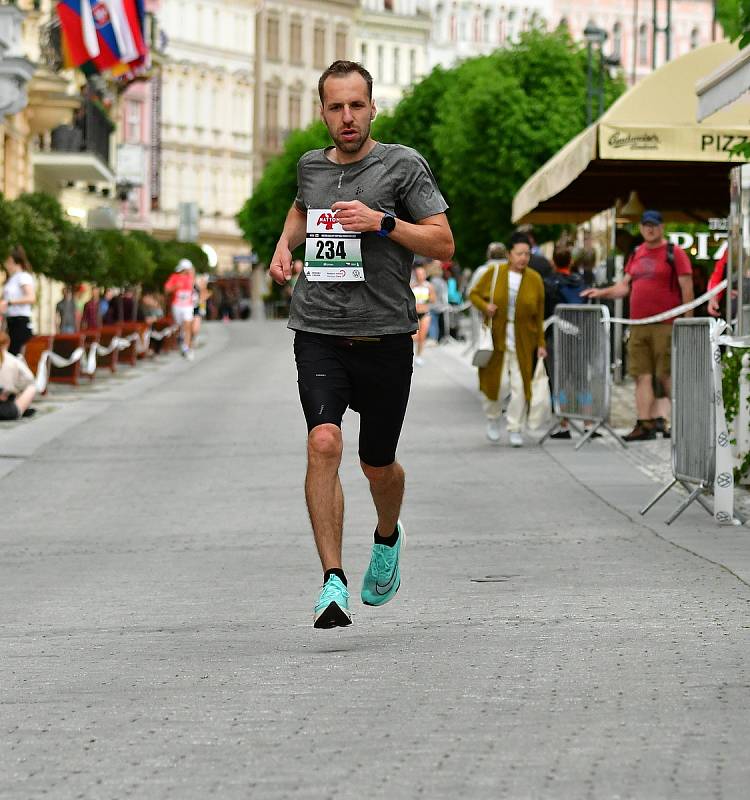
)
(387, 225)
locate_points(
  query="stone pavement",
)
(158, 574)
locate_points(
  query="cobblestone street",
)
(158, 576)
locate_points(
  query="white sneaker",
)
(515, 439)
(190, 355)
(493, 430)
(418, 361)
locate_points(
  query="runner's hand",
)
(353, 215)
(592, 293)
(281, 264)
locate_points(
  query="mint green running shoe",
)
(383, 576)
(332, 608)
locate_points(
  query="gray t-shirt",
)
(390, 178)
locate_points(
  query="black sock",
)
(339, 573)
(388, 541)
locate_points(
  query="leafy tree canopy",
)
(37, 235)
(80, 256)
(127, 261)
(734, 16)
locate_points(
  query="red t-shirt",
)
(654, 287)
(180, 285)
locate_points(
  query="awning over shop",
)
(648, 141)
(724, 86)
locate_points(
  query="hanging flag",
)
(106, 32)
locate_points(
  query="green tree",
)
(6, 228)
(36, 234)
(412, 121)
(262, 216)
(501, 119)
(127, 261)
(79, 255)
(730, 14)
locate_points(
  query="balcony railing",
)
(50, 45)
(89, 133)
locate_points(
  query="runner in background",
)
(180, 286)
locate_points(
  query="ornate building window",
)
(695, 36)
(272, 38)
(319, 46)
(397, 66)
(617, 40)
(295, 111)
(295, 42)
(340, 45)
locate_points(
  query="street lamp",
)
(595, 37)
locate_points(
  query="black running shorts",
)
(370, 377)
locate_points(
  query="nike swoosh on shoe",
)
(382, 589)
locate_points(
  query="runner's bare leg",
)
(387, 490)
(325, 498)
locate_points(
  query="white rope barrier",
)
(42, 370)
(676, 311)
(95, 349)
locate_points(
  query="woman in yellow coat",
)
(516, 311)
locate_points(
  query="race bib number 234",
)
(331, 253)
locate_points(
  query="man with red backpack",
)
(658, 277)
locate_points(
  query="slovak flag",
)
(105, 32)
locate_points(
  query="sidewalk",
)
(611, 472)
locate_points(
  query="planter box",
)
(64, 345)
(131, 354)
(106, 334)
(34, 349)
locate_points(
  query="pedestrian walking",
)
(19, 296)
(513, 301)
(362, 209)
(180, 286)
(658, 277)
(424, 298)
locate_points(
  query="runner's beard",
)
(355, 145)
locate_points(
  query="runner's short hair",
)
(341, 68)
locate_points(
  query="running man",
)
(362, 209)
(180, 286)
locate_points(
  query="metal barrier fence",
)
(696, 405)
(582, 377)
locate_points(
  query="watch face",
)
(388, 223)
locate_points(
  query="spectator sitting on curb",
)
(17, 387)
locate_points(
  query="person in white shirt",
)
(18, 298)
(17, 387)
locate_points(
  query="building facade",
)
(466, 28)
(295, 42)
(630, 29)
(205, 138)
(392, 37)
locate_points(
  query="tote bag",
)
(540, 407)
(485, 345)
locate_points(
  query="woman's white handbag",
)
(540, 408)
(485, 345)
